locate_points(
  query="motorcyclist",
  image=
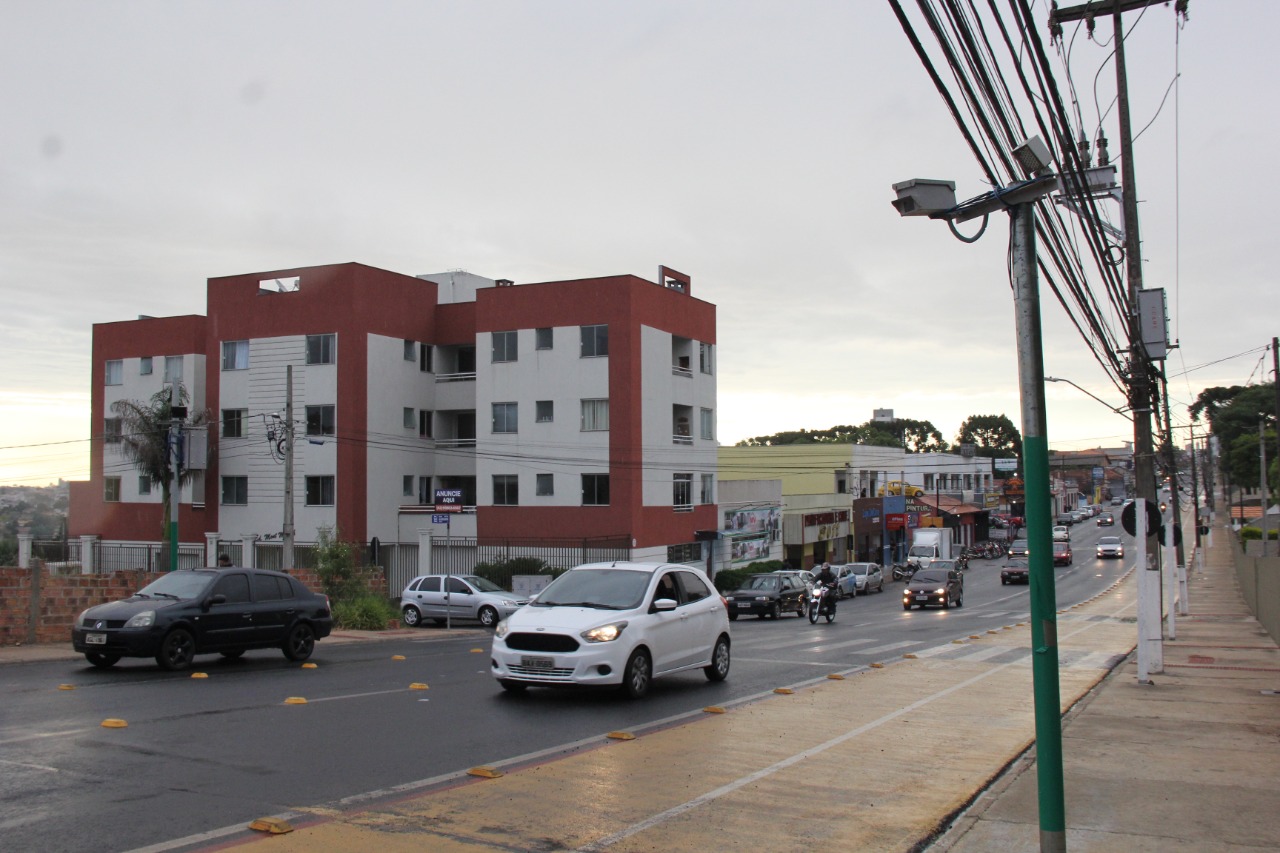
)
(827, 578)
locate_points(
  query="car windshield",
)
(860, 570)
(762, 582)
(179, 584)
(483, 584)
(605, 589)
(1109, 540)
(930, 576)
(1016, 564)
(943, 564)
(1061, 546)
(1018, 545)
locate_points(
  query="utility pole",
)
(1262, 463)
(177, 413)
(287, 533)
(1150, 648)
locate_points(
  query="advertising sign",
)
(1005, 464)
(448, 500)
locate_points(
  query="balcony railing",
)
(455, 442)
(681, 439)
(456, 377)
(677, 370)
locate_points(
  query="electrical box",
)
(923, 196)
(1153, 318)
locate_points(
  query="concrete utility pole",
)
(177, 413)
(286, 558)
(1262, 462)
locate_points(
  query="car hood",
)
(563, 620)
(751, 593)
(925, 586)
(129, 607)
(1014, 569)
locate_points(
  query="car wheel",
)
(1004, 581)
(800, 610)
(100, 660)
(960, 600)
(488, 616)
(733, 617)
(300, 642)
(719, 668)
(906, 607)
(774, 612)
(513, 686)
(412, 616)
(232, 654)
(638, 675)
(946, 603)
(176, 650)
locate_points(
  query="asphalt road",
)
(201, 754)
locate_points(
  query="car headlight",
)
(145, 619)
(502, 629)
(939, 591)
(762, 598)
(604, 633)
(506, 602)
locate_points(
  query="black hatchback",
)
(205, 611)
(941, 587)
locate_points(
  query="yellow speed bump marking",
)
(66, 687)
(713, 709)
(878, 665)
(485, 772)
(273, 825)
(113, 723)
(620, 736)
(199, 675)
(975, 637)
(417, 685)
(308, 666)
(785, 691)
(957, 642)
(295, 700)
(993, 631)
(835, 676)
(910, 656)
(397, 657)
(477, 651)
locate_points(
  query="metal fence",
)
(500, 559)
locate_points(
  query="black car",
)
(768, 595)
(1019, 548)
(203, 611)
(1015, 571)
(1106, 519)
(943, 587)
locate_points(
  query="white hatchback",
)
(615, 624)
(1062, 533)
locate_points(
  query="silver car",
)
(441, 597)
(1110, 546)
(868, 576)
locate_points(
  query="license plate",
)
(95, 639)
(744, 603)
(922, 598)
(537, 663)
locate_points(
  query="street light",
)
(1120, 411)
(936, 199)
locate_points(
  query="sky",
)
(149, 146)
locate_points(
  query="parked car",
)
(1117, 501)
(898, 487)
(1062, 553)
(203, 611)
(768, 595)
(1062, 533)
(806, 577)
(846, 581)
(1015, 571)
(1106, 519)
(1110, 546)
(867, 576)
(1077, 516)
(444, 597)
(1065, 519)
(615, 624)
(1019, 549)
(942, 587)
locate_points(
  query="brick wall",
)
(63, 597)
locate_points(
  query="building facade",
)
(577, 409)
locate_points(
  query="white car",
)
(1062, 533)
(615, 624)
(445, 597)
(1110, 546)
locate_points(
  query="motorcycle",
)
(904, 571)
(822, 602)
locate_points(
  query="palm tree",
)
(144, 441)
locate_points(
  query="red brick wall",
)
(63, 597)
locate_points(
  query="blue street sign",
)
(443, 518)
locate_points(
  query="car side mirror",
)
(662, 604)
(214, 599)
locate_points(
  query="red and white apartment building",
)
(562, 409)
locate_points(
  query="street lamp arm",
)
(1083, 391)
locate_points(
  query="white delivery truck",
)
(929, 544)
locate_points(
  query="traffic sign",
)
(442, 518)
(1129, 519)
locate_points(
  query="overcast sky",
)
(148, 146)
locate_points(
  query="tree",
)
(1234, 414)
(911, 435)
(144, 441)
(994, 436)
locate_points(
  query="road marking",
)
(30, 766)
(41, 735)
(358, 695)
(888, 647)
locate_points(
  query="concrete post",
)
(24, 550)
(424, 550)
(87, 566)
(249, 553)
(210, 550)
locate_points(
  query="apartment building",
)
(562, 409)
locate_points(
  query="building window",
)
(928, 482)
(688, 553)
(235, 355)
(113, 431)
(144, 366)
(506, 490)
(705, 355)
(406, 486)
(706, 422)
(173, 368)
(424, 424)
(595, 341)
(233, 422)
(424, 358)
(426, 496)
(410, 351)
(682, 492)
(595, 415)
(111, 489)
(144, 484)
(320, 349)
(504, 347)
(321, 420)
(115, 372)
(544, 411)
(542, 338)
(408, 417)
(546, 486)
(235, 491)
(595, 489)
(320, 491)
(708, 495)
(505, 417)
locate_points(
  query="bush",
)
(1250, 533)
(728, 580)
(364, 613)
(501, 571)
(336, 565)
